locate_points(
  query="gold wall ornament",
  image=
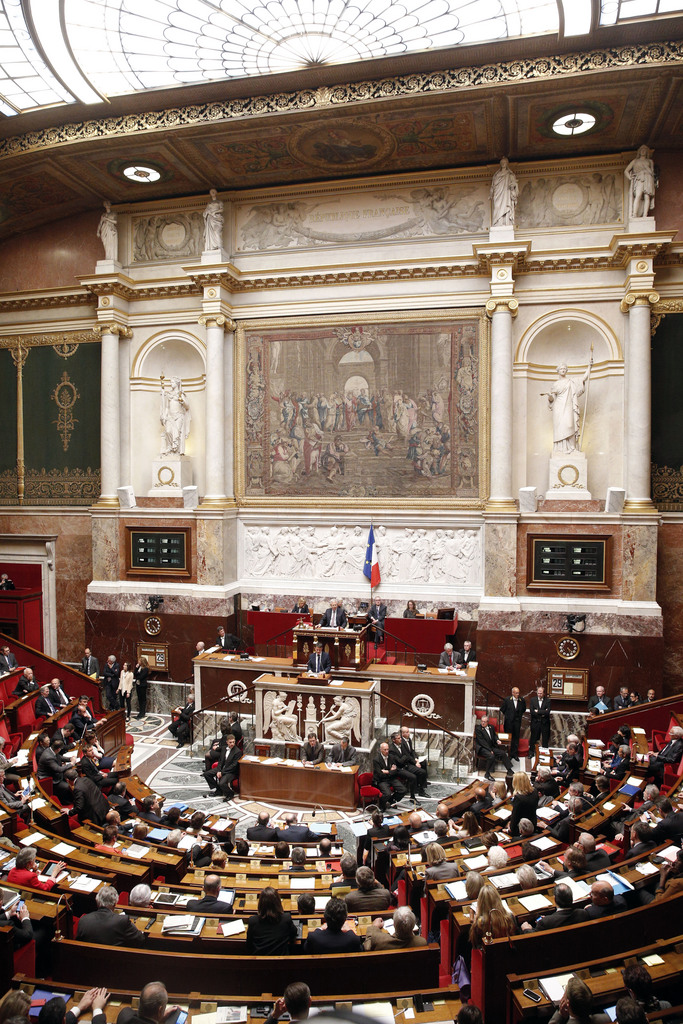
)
(217, 320)
(19, 356)
(638, 298)
(507, 302)
(113, 327)
(65, 349)
(65, 395)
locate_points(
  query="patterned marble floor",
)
(176, 774)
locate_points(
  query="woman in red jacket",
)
(25, 870)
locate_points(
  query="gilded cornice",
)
(662, 306)
(46, 302)
(58, 339)
(325, 97)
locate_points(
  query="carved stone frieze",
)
(410, 556)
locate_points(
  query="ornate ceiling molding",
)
(484, 76)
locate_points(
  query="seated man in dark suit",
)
(603, 901)
(319, 662)
(467, 654)
(107, 927)
(118, 798)
(25, 684)
(153, 1008)
(487, 745)
(670, 828)
(229, 768)
(89, 766)
(82, 718)
(151, 810)
(568, 765)
(565, 914)
(596, 860)
(263, 831)
(546, 785)
(641, 840)
(182, 726)
(89, 802)
(337, 936)
(622, 700)
(312, 752)
(43, 706)
(294, 833)
(57, 695)
(385, 776)
(7, 660)
(334, 616)
(670, 754)
(210, 903)
(375, 617)
(343, 752)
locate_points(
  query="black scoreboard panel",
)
(162, 552)
(581, 563)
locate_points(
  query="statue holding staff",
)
(175, 418)
(563, 402)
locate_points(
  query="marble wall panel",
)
(105, 547)
(640, 562)
(500, 560)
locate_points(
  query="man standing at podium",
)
(319, 662)
(335, 615)
(375, 617)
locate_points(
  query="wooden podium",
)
(347, 648)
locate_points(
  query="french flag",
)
(371, 567)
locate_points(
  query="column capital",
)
(507, 302)
(113, 327)
(638, 298)
(217, 320)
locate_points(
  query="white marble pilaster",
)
(215, 324)
(501, 311)
(638, 401)
(110, 412)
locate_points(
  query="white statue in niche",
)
(563, 402)
(504, 193)
(641, 175)
(175, 417)
(108, 232)
(213, 223)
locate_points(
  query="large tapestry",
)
(667, 412)
(367, 408)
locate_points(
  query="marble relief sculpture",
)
(563, 402)
(641, 176)
(342, 720)
(213, 223)
(280, 716)
(504, 194)
(409, 555)
(175, 418)
(108, 232)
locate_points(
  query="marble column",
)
(501, 310)
(110, 413)
(638, 401)
(216, 325)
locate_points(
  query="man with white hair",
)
(107, 927)
(140, 896)
(497, 858)
(596, 860)
(670, 754)
(449, 658)
(404, 932)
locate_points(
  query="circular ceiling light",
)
(574, 124)
(141, 173)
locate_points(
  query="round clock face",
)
(153, 625)
(568, 647)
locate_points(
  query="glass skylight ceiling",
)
(124, 46)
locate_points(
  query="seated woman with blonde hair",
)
(437, 864)
(492, 921)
